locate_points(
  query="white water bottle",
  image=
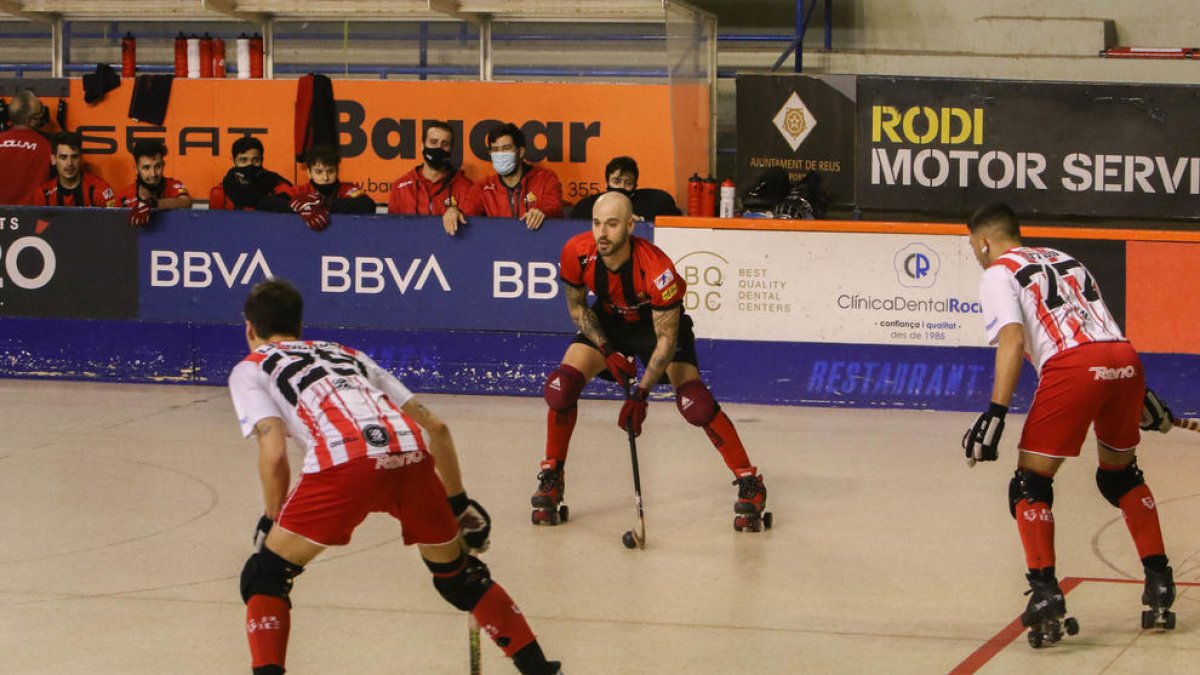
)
(243, 57)
(193, 46)
(728, 192)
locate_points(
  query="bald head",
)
(613, 205)
(25, 109)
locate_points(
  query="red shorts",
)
(325, 507)
(1100, 382)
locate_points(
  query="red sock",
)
(1141, 517)
(1035, 522)
(559, 426)
(725, 438)
(500, 618)
(268, 620)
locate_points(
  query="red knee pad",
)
(563, 387)
(696, 403)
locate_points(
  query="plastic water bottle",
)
(728, 192)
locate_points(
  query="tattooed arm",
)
(584, 317)
(666, 329)
(273, 469)
(441, 445)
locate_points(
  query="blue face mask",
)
(504, 162)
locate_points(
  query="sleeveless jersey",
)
(336, 400)
(1052, 295)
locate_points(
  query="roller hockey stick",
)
(473, 641)
(1189, 424)
(637, 536)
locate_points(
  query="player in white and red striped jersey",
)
(365, 452)
(1044, 304)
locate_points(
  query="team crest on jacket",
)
(376, 435)
(530, 199)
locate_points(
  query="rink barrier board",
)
(155, 346)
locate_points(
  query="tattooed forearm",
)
(666, 328)
(583, 317)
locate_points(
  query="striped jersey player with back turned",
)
(365, 452)
(1044, 303)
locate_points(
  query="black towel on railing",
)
(316, 114)
(96, 85)
(151, 93)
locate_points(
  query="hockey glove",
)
(473, 522)
(139, 214)
(621, 367)
(312, 210)
(1156, 416)
(633, 412)
(981, 441)
(261, 531)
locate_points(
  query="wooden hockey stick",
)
(473, 642)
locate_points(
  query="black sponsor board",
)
(67, 263)
(1053, 148)
(800, 123)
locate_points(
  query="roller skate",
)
(548, 508)
(749, 514)
(1159, 595)
(1044, 615)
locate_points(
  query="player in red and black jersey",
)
(323, 194)
(74, 186)
(638, 312)
(152, 191)
(247, 183)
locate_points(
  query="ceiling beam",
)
(17, 8)
(229, 8)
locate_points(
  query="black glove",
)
(1156, 416)
(473, 522)
(980, 441)
(261, 531)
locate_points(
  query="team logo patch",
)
(376, 435)
(670, 292)
(661, 281)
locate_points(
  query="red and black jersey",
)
(347, 198)
(415, 195)
(539, 189)
(647, 281)
(25, 156)
(171, 188)
(91, 191)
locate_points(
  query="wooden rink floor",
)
(126, 513)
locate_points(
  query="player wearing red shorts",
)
(365, 452)
(1044, 304)
(638, 312)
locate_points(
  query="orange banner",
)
(574, 129)
(1160, 278)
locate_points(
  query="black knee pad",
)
(267, 574)
(461, 584)
(1029, 485)
(1116, 484)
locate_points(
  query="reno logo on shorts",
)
(376, 435)
(1102, 373)
(398, 459)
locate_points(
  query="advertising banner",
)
(1054, 148)
(573, 129)
(801, 124)
(884, 289)
(364, 271)
(69, 263)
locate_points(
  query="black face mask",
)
(627, 193)
(249, 173)
(327, 189)
(436, 158)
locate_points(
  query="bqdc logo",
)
(917, 266)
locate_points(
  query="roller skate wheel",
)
(544, 517)
(1169, 620)
(768, 519)
(1147, 619)
(563, 512)
(628, 539)
(1071, 625)
(1035, 639)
